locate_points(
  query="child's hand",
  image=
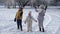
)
(36, 20)
(25, 22)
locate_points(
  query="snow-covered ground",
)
(8, 26)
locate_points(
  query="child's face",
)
(41, 6)
(29, 13)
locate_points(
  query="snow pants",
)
(19, 24)
(40, 22)
(29, 26)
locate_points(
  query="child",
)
(41, 15)
(19, 18)
(29, 22)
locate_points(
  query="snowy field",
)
(8, 26)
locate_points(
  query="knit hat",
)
(42, 6)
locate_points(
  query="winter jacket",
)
(19, 15)
(41, 17)
(29, 20)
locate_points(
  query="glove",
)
(25, 22)
(36, 20)
(14, 19)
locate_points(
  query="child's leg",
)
(31, 26)
(41, 26)
(42, 29)
(17, 24)
(28, 27)
(21, 25)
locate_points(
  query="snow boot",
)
(39, 29)
(43, 30)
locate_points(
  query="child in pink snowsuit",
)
(41, 15)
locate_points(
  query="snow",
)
(8, 26)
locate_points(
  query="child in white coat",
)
(28, 21)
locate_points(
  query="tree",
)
(55, 2)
